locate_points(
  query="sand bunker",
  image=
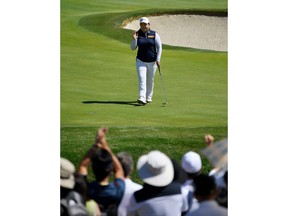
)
(194, 31)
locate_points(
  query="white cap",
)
(144, 20)
(191, 162)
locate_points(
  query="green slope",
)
(99, 82)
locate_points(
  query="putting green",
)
(99, 82)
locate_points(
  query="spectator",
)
(104, 165)
(192, 165)
(67, 180)
(206, 192)
(127, 163)
(160, 195)
(221, 178)
(217, 154)
(70, 200)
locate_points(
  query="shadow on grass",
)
(132, 103)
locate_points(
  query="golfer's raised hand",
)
(135, 35)
(209, 140)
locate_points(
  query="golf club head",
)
(164, 103)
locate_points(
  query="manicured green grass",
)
(174, 141)
(99, 83)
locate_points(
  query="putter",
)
(163, 88)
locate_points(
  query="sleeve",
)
(120, 188)
(158, 46)
(133, 44)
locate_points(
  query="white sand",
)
(195, 31)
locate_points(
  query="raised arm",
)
(133, 44)
(84, 164)
(101, 142)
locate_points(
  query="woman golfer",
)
(147, 59)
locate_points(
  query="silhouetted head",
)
(205, 187)
(102, 164)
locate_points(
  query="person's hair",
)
(205, 185)
(127, 162)
(102, 164)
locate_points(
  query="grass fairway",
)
(99, 83)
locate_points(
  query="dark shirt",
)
(106, 195)
(149, 192)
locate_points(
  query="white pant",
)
(146, 72)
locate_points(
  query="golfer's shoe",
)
(141, 102)
(149, 101)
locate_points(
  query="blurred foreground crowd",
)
(168, 189)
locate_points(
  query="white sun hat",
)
(144, 20)
(155, 169)
(191, 162)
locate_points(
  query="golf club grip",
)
(159, 70)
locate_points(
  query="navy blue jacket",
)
(146, 46)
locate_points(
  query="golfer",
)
(147, 59)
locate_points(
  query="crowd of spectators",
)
(169, 187)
